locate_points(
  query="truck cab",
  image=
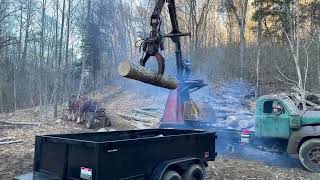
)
(278, 117)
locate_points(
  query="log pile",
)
(136, 72)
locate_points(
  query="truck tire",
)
(89, 124)
(65, 117)
(194, 172)
(89, 121)
(309, 155)
(171, 175)
(107, 122)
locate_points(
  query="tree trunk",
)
(319, 63)
(241, 18)
(81, 85)
(84, 59)
(67, 74)
(40, 87)
(1, 100)
(59, 84)
(242, 44)
(259, 48)
(242, 26)
(25, 50)
(14, 86)
(140, 73)
(26, 37)
(56, 82)
(17, 72)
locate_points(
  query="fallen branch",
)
(135, 118)
(6, 139)
(299, 98)
(224, 109)
(146, 113)
(140, 73)
(10, 142)
(19, 123)
(297, 90)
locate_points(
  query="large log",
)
(140, 73)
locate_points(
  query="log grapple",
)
(153, 45)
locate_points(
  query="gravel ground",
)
(17, 158)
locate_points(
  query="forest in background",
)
(50, 49)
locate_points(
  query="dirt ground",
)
(17, 158)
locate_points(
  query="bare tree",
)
(295, 48)
(240, 12)
(259, 40)
(58, 78)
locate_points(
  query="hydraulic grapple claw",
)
(161, 62)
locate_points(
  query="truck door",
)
(274, 120)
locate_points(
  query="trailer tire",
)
(309, 155)
(171, 175)
(194, 172)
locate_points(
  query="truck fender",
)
(303, 134)
(178, 165)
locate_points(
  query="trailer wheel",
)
(309, 155)
(194, 172)
(171, 175)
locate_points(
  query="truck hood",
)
(310, 117)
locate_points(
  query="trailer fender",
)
(178, 165)
(303, 134)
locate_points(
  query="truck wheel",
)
(171, 175)
(89, 122)
(107, 122)
(309, 155)
(65, 117)
(194, 172)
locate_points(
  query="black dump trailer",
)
(153, 154)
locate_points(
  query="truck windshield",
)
(290, 105)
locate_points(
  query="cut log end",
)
(124, 68)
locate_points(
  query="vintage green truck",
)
(280, 126)
(279, 118)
